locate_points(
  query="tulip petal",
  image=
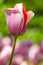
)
(30, 14)
(15, 23)
(18, 7)
(7, 18)
(23, 30)
(25, 15)
(7, 14)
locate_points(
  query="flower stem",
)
(10, 62)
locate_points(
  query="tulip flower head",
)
(17, 19)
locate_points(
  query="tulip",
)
(17, 19)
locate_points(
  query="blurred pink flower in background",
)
(6, 44)
(25, 52)
(17, 19)
(32, 53)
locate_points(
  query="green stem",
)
(10, 62)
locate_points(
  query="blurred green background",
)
(35, 27)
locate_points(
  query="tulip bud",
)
(17, 19)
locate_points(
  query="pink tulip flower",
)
(17, 19)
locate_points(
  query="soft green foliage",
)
(41, 63)
(32, 34)
(35, 26)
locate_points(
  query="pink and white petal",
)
(30, 14)
(9, 11)
(18, 7)
(15, 22)
(33, 52)
(7, 14)
(23, 30)
(7, 18)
